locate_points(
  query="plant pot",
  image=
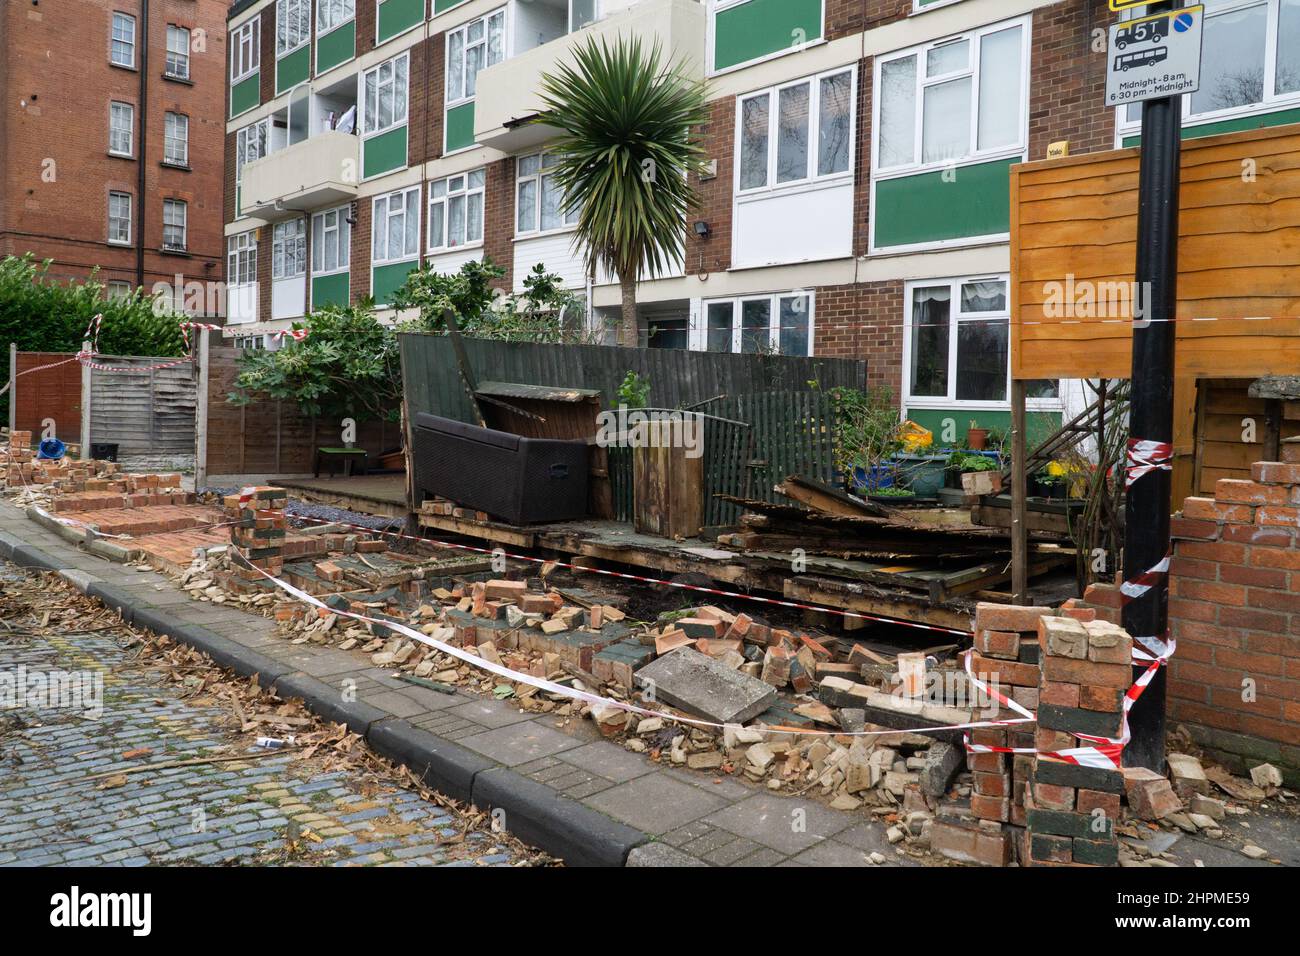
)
(924, 474)
(977, 439)
(868, 479)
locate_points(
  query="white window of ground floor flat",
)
(957, 345)
(241, 258)
(395, 236)
(331, 237)
(289, 250)
(770, 323)
(456, 210)
(539, 200)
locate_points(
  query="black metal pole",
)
(1151, 405)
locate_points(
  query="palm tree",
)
(626, 157)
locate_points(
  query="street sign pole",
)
(1151, 416)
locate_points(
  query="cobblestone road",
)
(65, 800)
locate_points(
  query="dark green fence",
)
(765, 419)
(677, 377)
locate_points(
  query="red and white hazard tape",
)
(622, 575)
(85, 361)
(1146, 456)
(519, 677)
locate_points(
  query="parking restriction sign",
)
(1154, 56)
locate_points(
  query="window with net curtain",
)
(963, 355)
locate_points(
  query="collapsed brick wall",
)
(1071, 670)
(1234, 609)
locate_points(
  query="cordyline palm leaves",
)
(626, 156)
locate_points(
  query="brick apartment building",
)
(860, 201)
(110, 140)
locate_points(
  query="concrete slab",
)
(519, 743)
(489, 713)
(655, 803)
(786, 824)
(828, 853)
(661, 854)
(702, 686)
(609, 761)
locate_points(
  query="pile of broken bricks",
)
(763, 688)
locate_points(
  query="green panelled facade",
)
(245, 95)
(387, 279)
(955, 421)
(398, 16)
(441, 5)
(337, 46)
(760, 28)
(460, 127)
(962, 202)
(330, 289)
(1258, 121)
(292, 69)
(384, 153)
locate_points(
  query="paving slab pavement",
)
(558, 767)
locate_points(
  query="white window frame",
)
(291, 16)
(176, 64)
(241, 258)
(364, 107)
(382, 256)
(325, 19)
(955, 318)
(462, 32)
(241, 150)
(117, 289)
(339, 234)
(130, 216)
(123, 20)
(113, 106)
(718, 6)
(465, 193)
(700, 335)
(289, 243)
(920, 6)
(246, 49)
(568, 220)
(814, 84)
(1272, 102)
(169, 220)
(975, 154)
(181, 135)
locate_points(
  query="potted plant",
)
(976, 437)
(892, 495)
(866, 437)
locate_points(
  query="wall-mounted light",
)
(702, 230)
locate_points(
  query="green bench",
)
(346, 456)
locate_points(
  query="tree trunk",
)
(628, 335)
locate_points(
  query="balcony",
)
(319, 171)
(508, 95)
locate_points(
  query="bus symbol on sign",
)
(1128, 61)
(1140, 31)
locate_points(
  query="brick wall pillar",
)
(258, 532)
(1070, 809)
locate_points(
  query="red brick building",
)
(111, 140)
